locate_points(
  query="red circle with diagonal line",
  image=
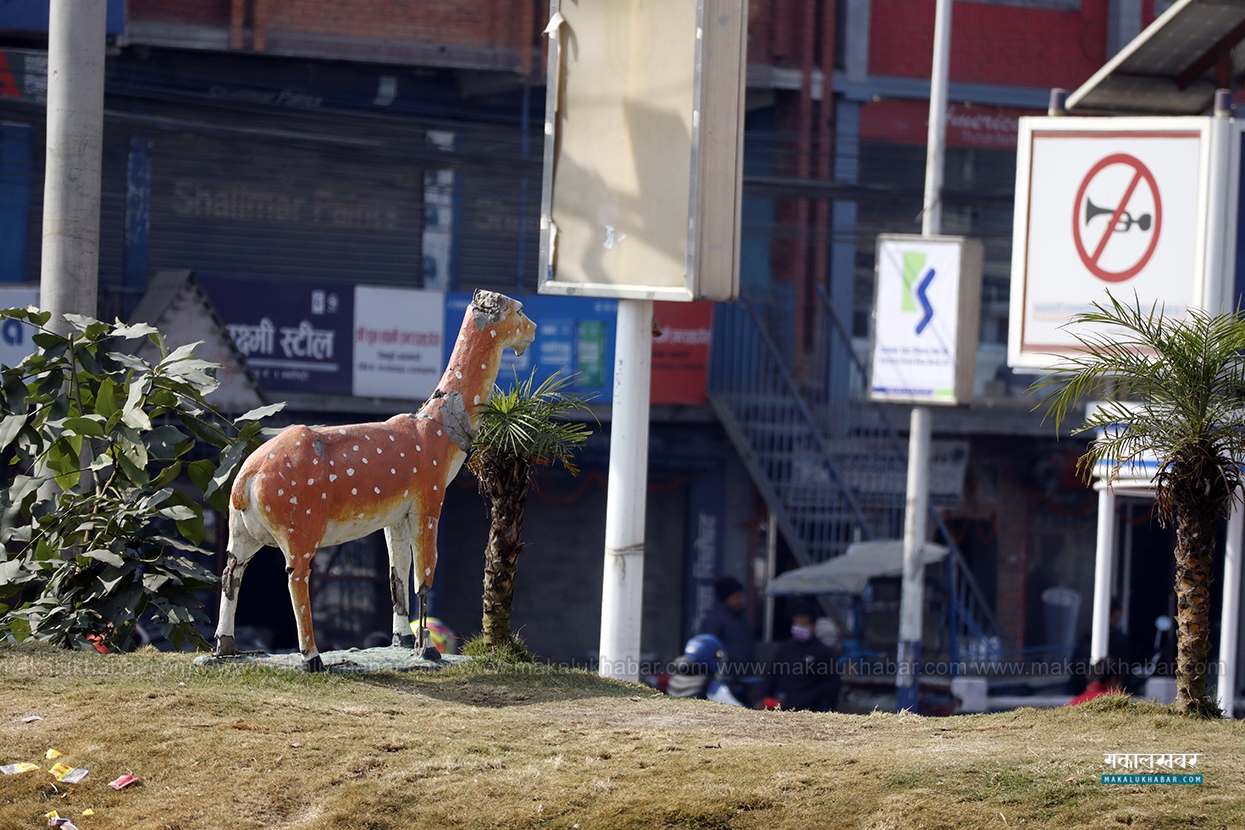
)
(1091, 258)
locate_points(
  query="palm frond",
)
(529, 422)
(1166, 385)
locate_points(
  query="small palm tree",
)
(519, 430)
(1174, 389)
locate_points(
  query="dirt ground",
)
(501, 746)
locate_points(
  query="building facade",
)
(318, 147)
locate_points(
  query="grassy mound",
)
(490, 744)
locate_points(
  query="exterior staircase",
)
(828, 464)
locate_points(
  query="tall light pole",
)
(69, 278)
(916, 508)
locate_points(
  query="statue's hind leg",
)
(242, 546)
(398, 541)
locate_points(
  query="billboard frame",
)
(711, 260)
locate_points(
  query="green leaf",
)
(83, 323)
(47, 341)
(162, 442)
(190, 522)
(133, 331)
(63, 461)
(177, 512)
(105, 556)
(92, 425)
(106, 398)
(203, 430)
(132, 413)
(10, 426)
(217, 492)
(201, 472)
(168, 475)
(261, 412)
(130, 361)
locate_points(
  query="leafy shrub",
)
(92, 440)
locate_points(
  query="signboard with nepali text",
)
(295, 336)
(398, 341)
(384, 342)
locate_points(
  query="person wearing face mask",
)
(803, 673)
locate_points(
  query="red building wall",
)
(203, 12)
(991, 44)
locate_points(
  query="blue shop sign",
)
(32, 16)
(296, 336)
(573, 334)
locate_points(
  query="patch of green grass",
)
(513, 650)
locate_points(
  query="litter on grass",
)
(53, 754)
(14, 769)
(31, 719)
(67, 774)
(123, 781)
(64, 823)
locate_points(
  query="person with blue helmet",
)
(697, 672)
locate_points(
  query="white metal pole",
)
(1229, 622)
(912, 596)
(622, 589)
(1126, 578)
(771, 570)
(935, 146)
(68, 280)
(1219, 295)
(1103, 561)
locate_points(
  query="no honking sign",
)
(1098, 209)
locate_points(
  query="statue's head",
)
(499, 313)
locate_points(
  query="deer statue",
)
(311, 487)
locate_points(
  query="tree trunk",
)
(1195, 523)
(504, 483)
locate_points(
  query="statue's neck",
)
(472, 368)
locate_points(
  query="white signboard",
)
(644, 129)
(1103, 205)
(925, 319)
(398, 337)
(15, 342)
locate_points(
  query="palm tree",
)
(518, 430)
(1174, 389)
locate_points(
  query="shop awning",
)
(851, 572)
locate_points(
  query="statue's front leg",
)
(425, 538)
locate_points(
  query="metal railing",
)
(825, 458)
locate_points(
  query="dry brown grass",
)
(519, 747)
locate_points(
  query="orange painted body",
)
(312, 487)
